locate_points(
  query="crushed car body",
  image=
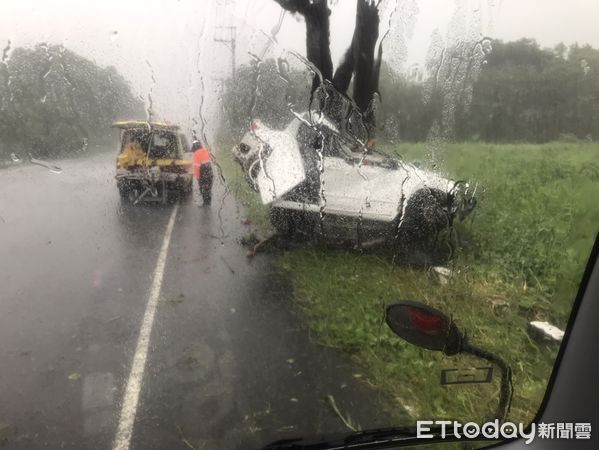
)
(319, 178)
(151, 165)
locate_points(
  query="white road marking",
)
(122, 440)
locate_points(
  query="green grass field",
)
(239, 188)
(523, 253)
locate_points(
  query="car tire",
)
(281, 221)
(417, 239)
(296, 224)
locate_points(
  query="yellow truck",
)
(152, 164)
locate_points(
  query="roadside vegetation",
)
(527, 120)
(256, 213)
(522, 255)
(56, 103)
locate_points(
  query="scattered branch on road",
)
(184, 439)
(227, 264)
(347, 421)
(261, 244)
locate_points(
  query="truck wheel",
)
(122, 192)
(180, 192)
(127, 191)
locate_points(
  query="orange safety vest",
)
(200, 156)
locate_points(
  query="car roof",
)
(132, 124)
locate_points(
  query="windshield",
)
(134, 138)
(208, 207)
(163, 145)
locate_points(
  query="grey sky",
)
(174, 39)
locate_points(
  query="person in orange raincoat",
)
(202, 170)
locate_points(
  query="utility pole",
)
(224, 31)
(227, 36)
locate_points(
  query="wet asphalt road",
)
(229, 364)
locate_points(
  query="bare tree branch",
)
(366, 34)
(293, 6)
(345, 70)
(316, 14)
(359, 60)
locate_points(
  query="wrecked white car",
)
(319, 179)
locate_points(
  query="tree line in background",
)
(521, 93)
(264, 90)
(53, 101)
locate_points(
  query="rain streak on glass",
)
(208, 209)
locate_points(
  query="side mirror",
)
(425, 327)
(429, 328)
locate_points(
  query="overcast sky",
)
(175, 39)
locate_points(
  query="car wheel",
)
(291, 223)
(426, 219)
(281, 221)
